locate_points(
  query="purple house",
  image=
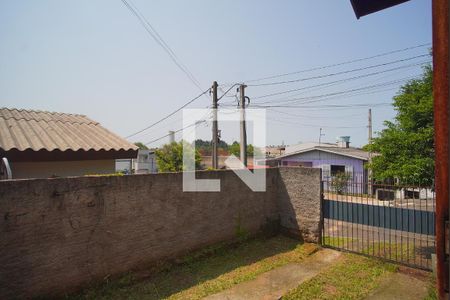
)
(332, 159)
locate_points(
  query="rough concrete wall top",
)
(299, 192)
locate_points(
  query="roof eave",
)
(319, 149)
(29, 155)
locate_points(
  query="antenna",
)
(321, 135)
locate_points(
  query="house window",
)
(335, 169)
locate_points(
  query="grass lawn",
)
(337, 241)
(432, 291)
(205, 272)
(395, 251)
(352, 278)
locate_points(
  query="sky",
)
(93, 57)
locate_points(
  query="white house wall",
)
(319, 159)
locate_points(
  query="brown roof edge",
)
(29, 155)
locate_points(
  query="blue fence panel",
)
(396, 218)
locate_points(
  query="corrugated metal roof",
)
(353, 152)
(303, 146)
(350, 152)
(41, 130)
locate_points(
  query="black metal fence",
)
(394, 222)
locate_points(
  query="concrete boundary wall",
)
(57, 235)
(298, 197)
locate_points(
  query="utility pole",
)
(243, 144)
(370, 126)
(369, 171)
(215, 130)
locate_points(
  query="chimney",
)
(343, 141)
(171, 136)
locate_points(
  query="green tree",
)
(236, 150)
(170, 157)
(339, 182)
(406, 146)
(205, 147)
(141, 146)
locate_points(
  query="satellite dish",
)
(5, 169)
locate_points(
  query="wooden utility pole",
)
(369, 171)
(441, 136)
(441, 92)
(243, 144)
(215, 130)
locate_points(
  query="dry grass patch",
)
(352, 278)
(205, 272)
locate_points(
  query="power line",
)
(338, 73)
(282, 121)
(169, 115)
(165, 46)
(341, 63)
(309, 116)
(329, 106)
(329, 96)
(228, 104)
(341, 80)
(176, 131)
(160, 41)
(361, 93)
(314, 97)
(399, 80)
(353, 86)
(177, 120)
(324, 106)
(203, 119)
(338, 95)
(227, 91)
(312, 125)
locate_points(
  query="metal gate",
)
(392, 222)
